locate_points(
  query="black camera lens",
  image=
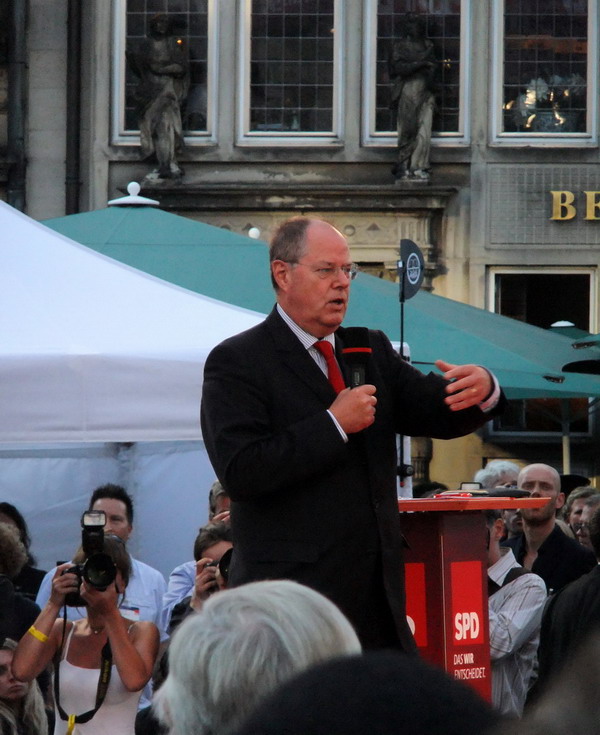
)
(224, 564)
(99, 571)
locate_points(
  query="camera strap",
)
(103, 682)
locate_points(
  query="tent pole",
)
(566, 445)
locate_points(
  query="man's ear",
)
(560, 500)
(498, 528)
(281, 274)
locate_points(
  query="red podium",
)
(446, 581)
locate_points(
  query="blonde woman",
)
(22, 709)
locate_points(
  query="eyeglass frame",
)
(350, 270)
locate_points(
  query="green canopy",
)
(529, 362)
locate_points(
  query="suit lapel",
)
(295, 358)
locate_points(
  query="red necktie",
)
(333, 369)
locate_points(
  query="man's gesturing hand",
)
(354, 408)
(471, 384)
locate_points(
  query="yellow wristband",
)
(42, 637)
(70, 724)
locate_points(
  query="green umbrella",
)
(529, 362)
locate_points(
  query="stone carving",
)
(411, 65)
(160, 62)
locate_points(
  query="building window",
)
(542, 298)
(193, 24)
(290, 70)
(445, 25)
(546, 65)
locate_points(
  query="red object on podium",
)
(445, 571)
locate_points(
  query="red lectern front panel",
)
(446, 582)
(446, 593)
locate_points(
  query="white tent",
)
(100, 381)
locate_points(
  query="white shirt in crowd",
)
(515, 619)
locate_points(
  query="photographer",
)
(87, 703)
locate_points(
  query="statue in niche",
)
(411, 65)
(160, 62)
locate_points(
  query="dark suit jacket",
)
(306, 505)
(569, 617)
(560, 559)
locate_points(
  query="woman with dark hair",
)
(22, 710)
(104, 659)
(16, 611)
(28, 581)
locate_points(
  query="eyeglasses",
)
(330, 271)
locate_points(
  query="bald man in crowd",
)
(542, 547)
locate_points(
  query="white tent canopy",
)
(95, 356)
(93, 350)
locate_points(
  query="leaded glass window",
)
(545, 66)
(292, 66)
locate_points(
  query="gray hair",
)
(585, 491)
(495, 472)
(289, 242)
(216, 491)
(243, 643)
(593, 501)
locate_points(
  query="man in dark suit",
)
(570, 617)
(311, 474)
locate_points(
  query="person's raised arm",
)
(134, 646)
(37, 647)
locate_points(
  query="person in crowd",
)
(542, 547)
(498, 473)
(22, 710)
(146, 587)
(183, 578)
(378, 693)
(146, 722)
(570, 616)
(17, 611)
(571, 510)
(513, 522)
(212, 542)
(570, 482)
(97, 686)
(310, 465)
(516, 601)
(582, 527)
(219, 503)
(28, 581)
(243, 643)
(570, 704)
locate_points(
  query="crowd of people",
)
(276, 656)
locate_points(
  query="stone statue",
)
(411, 65)
(160, 62)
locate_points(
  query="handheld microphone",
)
(356, 352)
